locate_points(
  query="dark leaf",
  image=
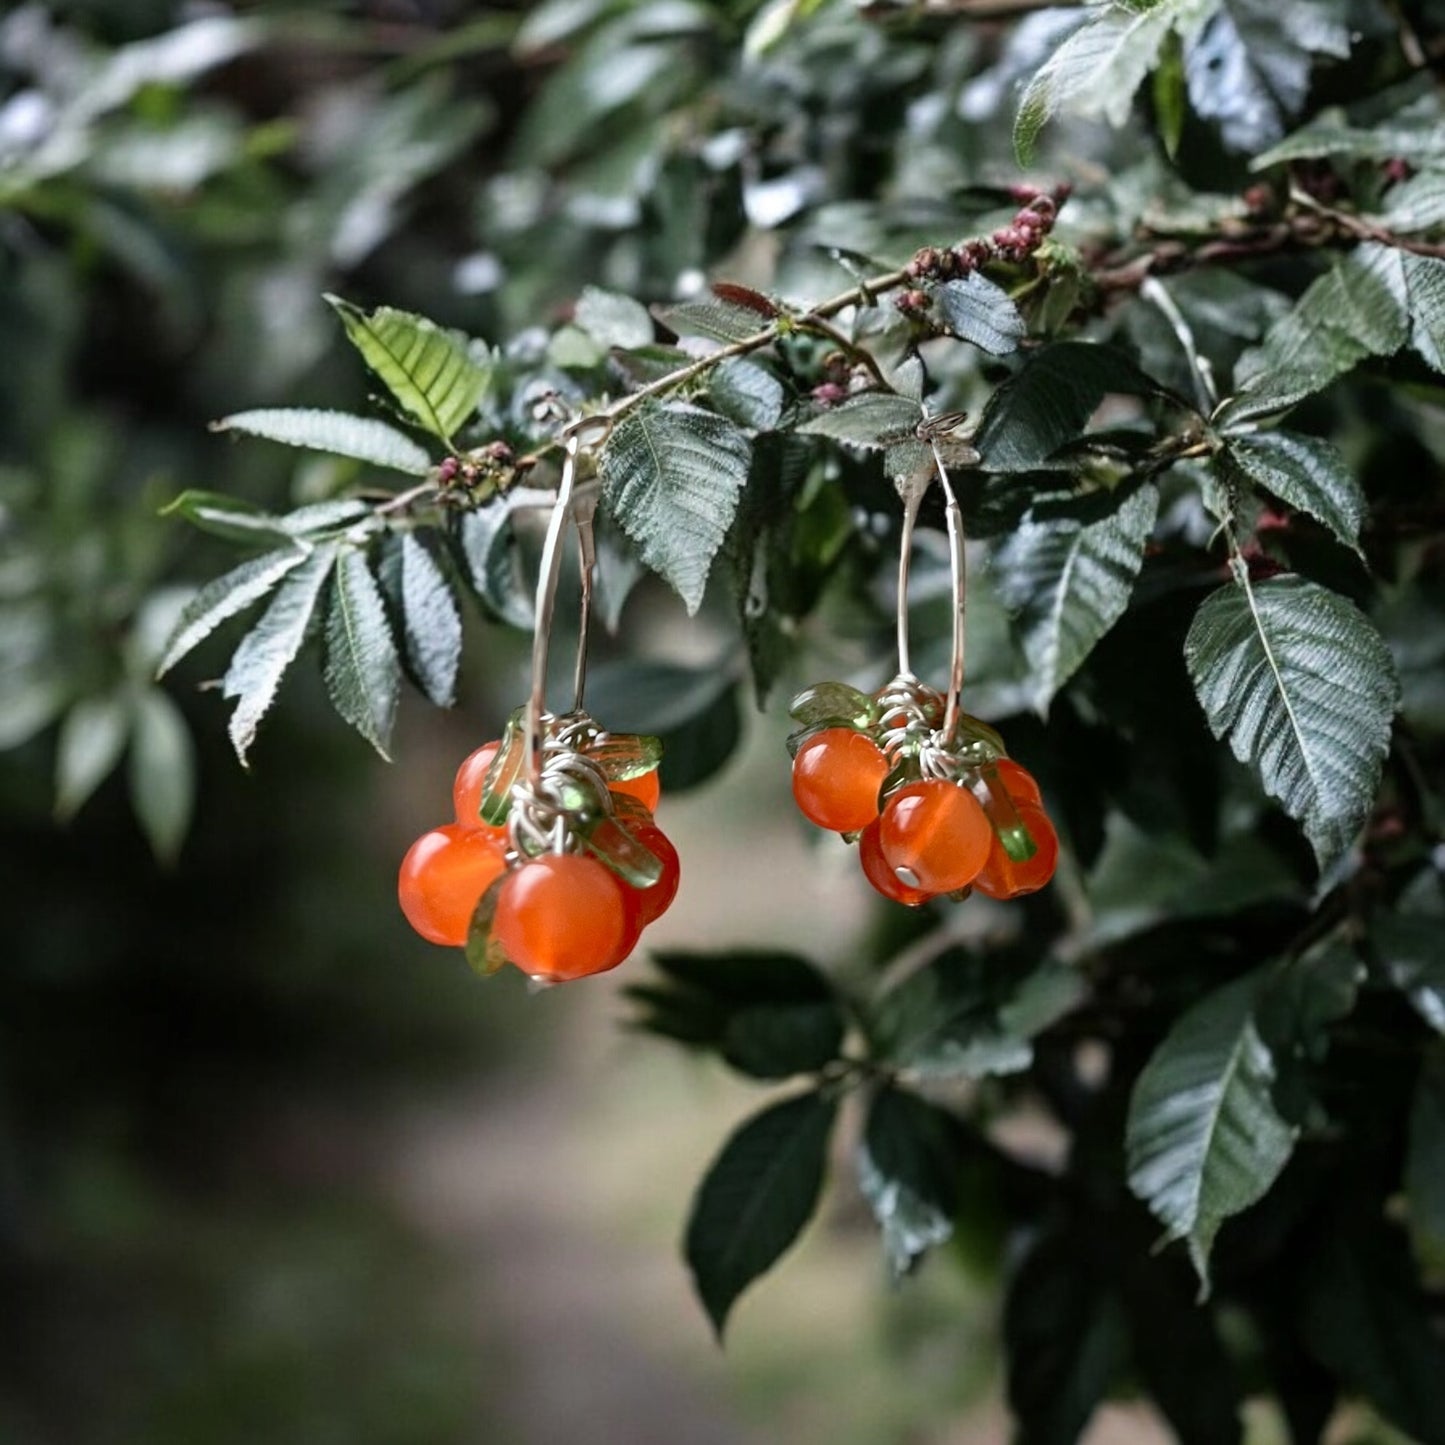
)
(1307, 473)
(776, 1041)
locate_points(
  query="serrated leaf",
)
(486, 539)
(1066, 583)
(92, 738)
(432, 625)
(265, 653)
(869, 419)
(1095, 72)
(1369, 304)
(238, 521)
(1304, 687)
(1049, 402)
(362, 438)
(1203, 1137)
(1414, 129)
(673, 476)
(363, 672)
(429, 371)
(747, 393)
(715, 318)
(162, 773)
(613, 319)
(776, 1041)
(225, 596)
(1417, 204)
(755, 1199)
(975, 309)
(908, 1168)
(1304, 472)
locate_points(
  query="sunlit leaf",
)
(359, 437)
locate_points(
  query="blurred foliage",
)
(1202, 340)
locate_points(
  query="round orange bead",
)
(836, 777)
(467, 787)
(653, 902)
(936, 833)
(645, 788)
(442, 878)
(562, 916)
(880, 875)
(1002, 877)
(1019, 783)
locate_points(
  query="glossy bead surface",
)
(1003, 877)
(937, 832)
(467, 786)
(444, 874)
(836, 777)
(645, 788)
(880, 875)
(563, 916)
(653, 902)
(1019, 783)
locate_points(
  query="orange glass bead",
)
(1004, 877)
(880, 875)
(836, 777)
(1019, 783)
(563, 916)
(444, 874)
(645, 788)
(938, 833)
(467, 788)
(653, 902)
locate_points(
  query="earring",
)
(554, 863)
(928, 792)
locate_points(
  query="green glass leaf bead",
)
(483, 953)
(999, 808)
(834, 704)
(624, 756)
(614, 843)
(508, 767)
(977, 732)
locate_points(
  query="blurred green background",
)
(271, 1169)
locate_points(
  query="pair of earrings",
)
(554, 862)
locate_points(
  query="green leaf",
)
(1065, 1333)
(359, 437)
(1417, 204)
(776, 1041)
(432, 626)
(1370, 304)
(363, 672)
(1096, 71)
(673, 476)
(613, 319)
(1363, 1317)
(487, 544)
(429, 371)
(1414, 129)
(1203, 1137)
(266, 652)
(868, 419)
(162, 773)
(755, 1199)
(747, 978)
(966, 1016)
(748, 394)
(908, 1170)
(1304, 687)
(715, 318)
(1049, 402)
(975, 309)
(1066, 583)
(227, 595)
(1407, 945)
(239, 521)
(1307, 473)
(92, 738)
(1425, 1162)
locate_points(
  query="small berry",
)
(1003, 877)
(836, 777)
(880, 875)
(829, 393)
(563, 916)
(467, 786)
(645, 788)
(442, 878)
(935, 836)
(913, 303)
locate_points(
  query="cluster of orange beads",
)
(559, 880)
(933, 814)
